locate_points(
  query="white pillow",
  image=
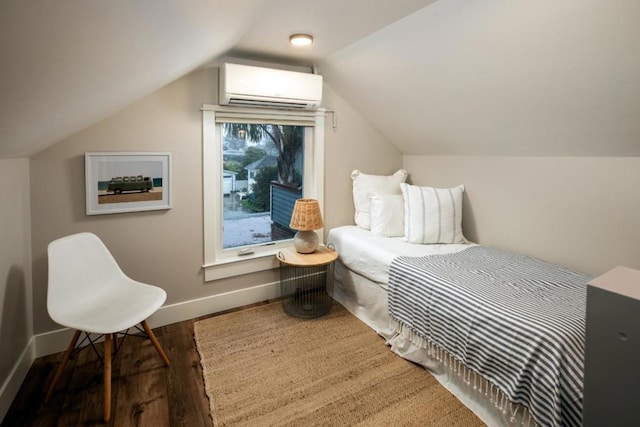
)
(432, 215)
(364, 185)
(387, 215)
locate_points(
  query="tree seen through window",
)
(262, 178)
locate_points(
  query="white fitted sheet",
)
(370, 255)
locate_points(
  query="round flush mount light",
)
(300, 39)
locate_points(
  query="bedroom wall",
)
(165, 247)
(15, 275)
(353, 144)
(579, 212)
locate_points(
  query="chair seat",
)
(120, 305)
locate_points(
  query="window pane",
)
(261, 180)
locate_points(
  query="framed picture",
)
(127, 182)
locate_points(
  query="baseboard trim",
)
(56, 341)
(12, 384)
(213, 304)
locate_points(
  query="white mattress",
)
(370, 255)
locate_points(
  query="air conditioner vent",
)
(266, 87)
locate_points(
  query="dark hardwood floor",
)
(144, 391)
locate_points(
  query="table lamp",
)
(306, 218)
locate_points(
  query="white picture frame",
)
(118, 182)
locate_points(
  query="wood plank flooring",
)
(144, 391)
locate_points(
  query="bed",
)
(382, 279)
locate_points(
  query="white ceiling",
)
(501, 77)
(67, 64)
(452, 77)
(335, 24)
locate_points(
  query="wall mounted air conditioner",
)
(268, 87)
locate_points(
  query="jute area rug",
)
(265, 368)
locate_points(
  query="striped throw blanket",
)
(517, 321)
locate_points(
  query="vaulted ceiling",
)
(501, 77)
(450, 77)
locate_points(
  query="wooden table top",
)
(323, 255)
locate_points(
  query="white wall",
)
(166, 247)
(16, 326)
(579, 212)
(353, 144)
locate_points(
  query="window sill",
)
(240, 265)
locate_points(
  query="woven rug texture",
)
(264, 368)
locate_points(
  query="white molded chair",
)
(89, 292)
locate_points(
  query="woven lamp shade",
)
(306, 215)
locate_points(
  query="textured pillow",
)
(432, 215)
(387, 215)
(364, 185)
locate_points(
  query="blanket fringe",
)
(471, 378)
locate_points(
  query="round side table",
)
(306, 281)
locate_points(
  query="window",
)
(256, 164)
(263, 166)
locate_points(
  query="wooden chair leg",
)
(63, 364)
(155, 342)
(107, 378)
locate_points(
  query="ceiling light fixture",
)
(300, 39)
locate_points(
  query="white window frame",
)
(218, 262)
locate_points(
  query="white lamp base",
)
(306, 242)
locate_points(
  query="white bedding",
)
(370, 255)
(361, 278)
